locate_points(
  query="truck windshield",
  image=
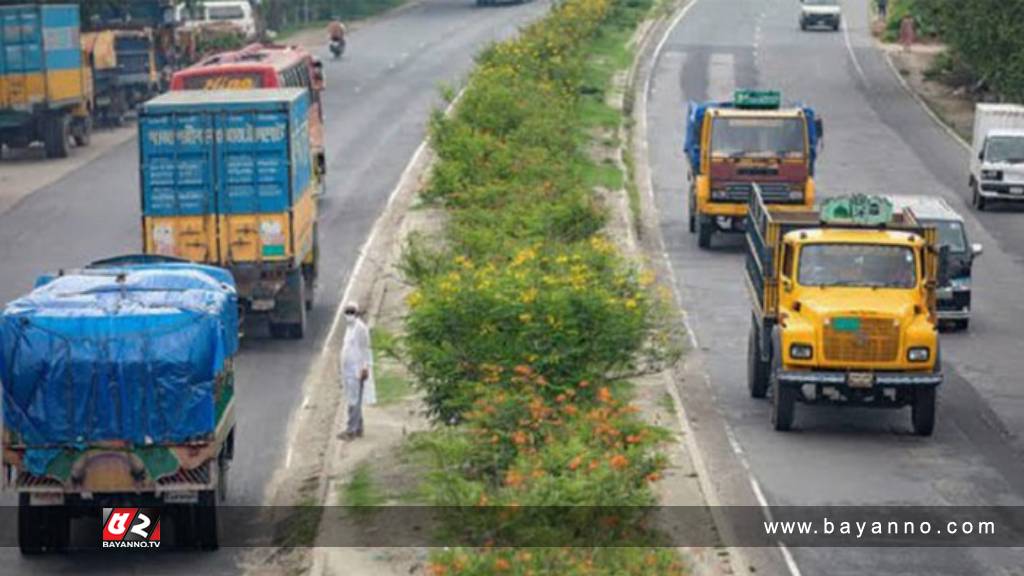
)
(1005, 149)
(225, 13)
(777, 137)
(952, 234)
(857, 265)
(821, 2)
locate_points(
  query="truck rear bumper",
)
(842, 380)
(1003, 191)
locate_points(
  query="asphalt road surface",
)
(877, 140)
(377, 104)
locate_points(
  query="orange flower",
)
(570, 410)
(604, 395)
(619, 461)
(632, 438)
(523, 370)
(437, 569)
(513, 478)
(501, 565)
(653, 477)
(560, 398)
(519, 438)
(575, 463)
(537, 473)
(584, 384)
(593, 465)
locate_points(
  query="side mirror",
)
(977, 250)
(819, 127)
(981, 156)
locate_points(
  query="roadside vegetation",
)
(985, 40)
(525, 328)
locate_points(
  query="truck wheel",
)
(922, 412)
(783, 400)
(203, 522)
(757, 369)
(42, 528)
(693, 214)
(292, 326)
(81, 131)
(977, 199)
(705, 228)
(835, 25)
(962, 325)
(56, 132)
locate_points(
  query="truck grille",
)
(200, 476)
(773, 193)
(877, 340)
(27, 481)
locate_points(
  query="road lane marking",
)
(853, 55)
(790, 562)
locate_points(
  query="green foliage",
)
(985, 36)
(520, 329)
(360, 490)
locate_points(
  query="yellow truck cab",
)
(844, 308)
(751, 140)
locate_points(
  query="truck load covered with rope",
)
(118, 390)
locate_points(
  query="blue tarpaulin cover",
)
(127, 353)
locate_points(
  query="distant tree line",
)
(986, 36)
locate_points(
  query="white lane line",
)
(790, 562)
(921, 102)
(853, 55)
(721, 76)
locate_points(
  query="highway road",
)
(377, 105)
(877, 140)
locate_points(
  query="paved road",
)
(878, 140)
(378, 101)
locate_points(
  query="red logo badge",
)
(131, 528)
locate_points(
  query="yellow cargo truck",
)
(733, 145)
(45, 89)
(227, 179)
(844, 308)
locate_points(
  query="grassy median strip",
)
(524, 328)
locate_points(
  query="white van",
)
(237, 13)
(997, 155)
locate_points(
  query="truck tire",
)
(196, 525)
(835, 25)
(81, 131)
(961, 325)
(42, 528)
(56, 132)
(693, 214)
(977, 200)
(922, 411)
(757, 369)
(295, 327)
(783, 400)
(705, 228)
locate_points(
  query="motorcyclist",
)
(336, 31)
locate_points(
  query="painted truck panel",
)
(40, 56)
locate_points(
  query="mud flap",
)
(288, 318)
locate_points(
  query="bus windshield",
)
(776, 137)
(857, 265)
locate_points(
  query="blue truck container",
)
(45, 93)
(224, 152)
(118, 390)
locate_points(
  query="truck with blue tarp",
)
(45, 87)
(118, 390)
(227, 180)
(752, 139)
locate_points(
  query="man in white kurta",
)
(356, 371)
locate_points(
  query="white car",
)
(820, 13)
(237, 13)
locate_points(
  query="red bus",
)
(264, 66)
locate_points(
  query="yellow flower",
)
(525, 318)
(529, 296)
(631, 304)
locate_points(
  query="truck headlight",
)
(918, 354)
(796, 194)
(719, 195)
(996, 175)
(801, 351)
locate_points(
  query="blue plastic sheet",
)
(117, 354)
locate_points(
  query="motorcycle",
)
(337, 48)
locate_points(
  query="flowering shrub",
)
(520, 331)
